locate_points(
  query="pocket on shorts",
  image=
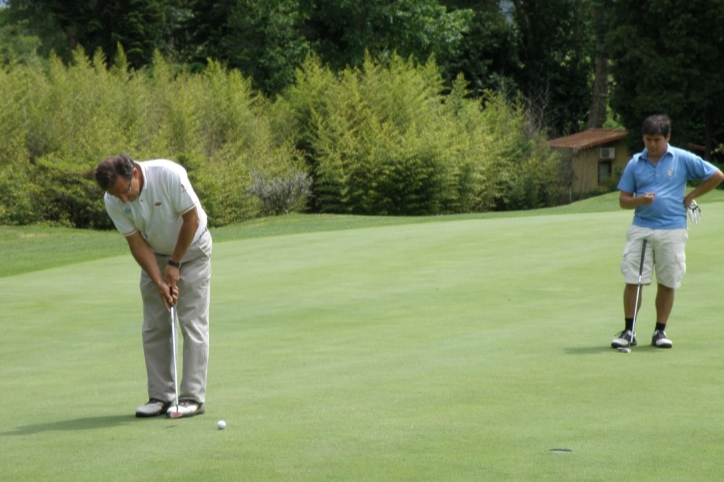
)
(681, 265)
(626, 251)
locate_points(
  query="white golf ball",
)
(221, 424)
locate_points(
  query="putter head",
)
(174, 415)
(624, 349)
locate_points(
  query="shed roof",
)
(588, 138)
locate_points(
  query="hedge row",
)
(381, 139)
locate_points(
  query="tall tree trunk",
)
(597, 114)
(709, 134)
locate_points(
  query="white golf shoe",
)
(152, 408)
(186, 408)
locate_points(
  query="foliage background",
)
(379, 139)
(669, 57)
(409, 107)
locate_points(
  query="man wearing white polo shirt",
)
(154, 206)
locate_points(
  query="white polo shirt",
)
(156, 213)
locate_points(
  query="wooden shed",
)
(598, 156)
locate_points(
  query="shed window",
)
(604, 171)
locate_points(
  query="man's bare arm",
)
(704, 187)
(628, 201)
(185, 237)
(145, 258)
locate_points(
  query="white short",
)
(664, 249)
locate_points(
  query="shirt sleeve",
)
(628, 182)
(123, 223)
(182, 196)
(697, 168)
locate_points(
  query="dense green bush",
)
(59, 121)
(15, 204)
(384, 140)
(524, 173)
(65, 193)
(379, 139)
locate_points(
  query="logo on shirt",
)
(127, 210)
(183, 188)
(157, 204)
(670, 173)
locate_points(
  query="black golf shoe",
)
(624, 339)
(660, 340)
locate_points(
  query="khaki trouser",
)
(193, 314)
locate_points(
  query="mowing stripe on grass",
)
(463, 350)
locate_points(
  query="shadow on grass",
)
(595, 350)
(588, 350)
(88, 423)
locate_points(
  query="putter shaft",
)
(638, 289)
(175, 365)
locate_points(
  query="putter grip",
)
(643, 254)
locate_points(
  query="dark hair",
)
(111, 168)
(657, 125)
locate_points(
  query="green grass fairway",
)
(463, 350)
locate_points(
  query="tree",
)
(341, 31)
(667, 57)
(263, 39)
(269, 39)
(16, 45)
(139, 26)
(599, 101)
(487, 55)
(555, 57)
(32, 19)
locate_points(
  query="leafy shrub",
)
(65, 193)
(15, 204)
(523, 173)
(16, 207)
(280, 195)
(382, 139)
(59, 121)
(378, 139)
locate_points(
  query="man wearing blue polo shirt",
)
(654, 185)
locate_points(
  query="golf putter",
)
(174, 315)
(636, 302)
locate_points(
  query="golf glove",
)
(694, 212)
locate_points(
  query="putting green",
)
(459, 350)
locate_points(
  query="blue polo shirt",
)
(667, 179)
